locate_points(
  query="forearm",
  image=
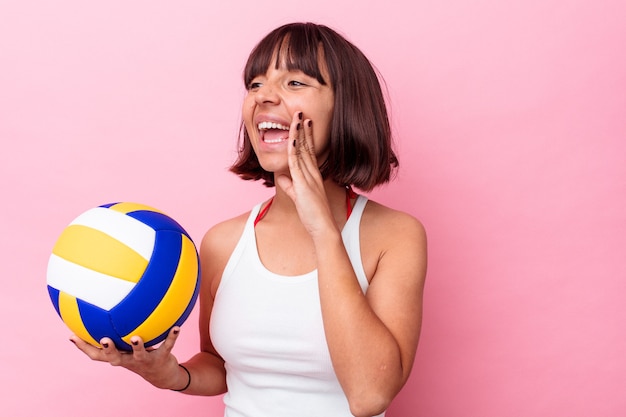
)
(365, 355)
(206, 376)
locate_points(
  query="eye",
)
(255, 84)
(296, 83)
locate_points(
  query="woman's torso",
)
(268, 328)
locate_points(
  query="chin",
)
(275, 167)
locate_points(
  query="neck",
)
(335, 193)
(283, 208)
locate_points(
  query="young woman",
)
(311, 303)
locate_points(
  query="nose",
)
(267, 94)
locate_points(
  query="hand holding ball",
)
(121, 270)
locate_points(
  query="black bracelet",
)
(188, 381)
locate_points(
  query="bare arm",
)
(372, 338)
(206, 368)
(208, 376)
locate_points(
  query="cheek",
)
(246, 109)
(247, 114)
(322, 139)
(322, 134)
(324, 125)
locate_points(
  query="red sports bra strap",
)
(350, 194)
(263, 211)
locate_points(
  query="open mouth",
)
(273, 132)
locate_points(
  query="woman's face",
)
(269, 107)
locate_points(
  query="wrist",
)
(327, 241)
(186, 378)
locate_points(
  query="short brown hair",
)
(361, 152)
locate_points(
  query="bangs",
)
(297, 48)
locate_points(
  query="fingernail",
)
(105, 345)
(134, 342)
(310, 123)
(176, 331)
(298, 126)
(300, 115)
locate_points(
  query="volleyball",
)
(123, 269)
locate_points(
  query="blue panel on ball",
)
(158, 221)
(98, 323)
(54, 296)
(192, 302)
(152, 286)
(185, 314)
(108, 205)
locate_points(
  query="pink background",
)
(510, 119)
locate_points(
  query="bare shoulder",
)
(217, 245)
(390, 225)
(221, 235)
(392, 241)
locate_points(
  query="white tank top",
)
(268, 329)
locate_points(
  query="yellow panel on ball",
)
(129, 207)
(96, 250)
(71, 316)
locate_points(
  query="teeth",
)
(270, 125)
(274, 140)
